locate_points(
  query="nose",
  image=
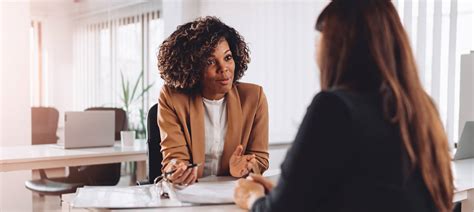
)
(223, 68)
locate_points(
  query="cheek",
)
(232, 68)
(209, 74)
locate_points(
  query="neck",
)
(212, 96)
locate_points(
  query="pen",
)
(191, 165)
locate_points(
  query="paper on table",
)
(122, 197)
(208, 192)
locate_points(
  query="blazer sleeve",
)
(258, 140)
(173, 142)
(310, 168)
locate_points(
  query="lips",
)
(224, 81)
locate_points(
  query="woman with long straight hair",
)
(372, 139)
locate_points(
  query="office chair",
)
(103, 174)
(154, 148)
(97, 175)
(44, 123)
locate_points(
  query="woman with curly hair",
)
(205, 115)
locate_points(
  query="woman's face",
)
(219, 74)
(319, 47)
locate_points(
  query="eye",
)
(211, 61)
(228, 57)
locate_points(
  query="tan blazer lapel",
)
(197, 144)
(233, 135)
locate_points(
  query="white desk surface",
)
(463, 173)
(52, 156)
(208, 208)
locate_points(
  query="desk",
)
(17, 161)
(67, 198)
(53, 156)
(463, 173)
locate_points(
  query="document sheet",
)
(210, 190)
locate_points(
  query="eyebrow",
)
(225, 52)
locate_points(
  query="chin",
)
(225, 90)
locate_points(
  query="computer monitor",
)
(465, 148)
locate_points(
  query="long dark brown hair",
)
(365, 47)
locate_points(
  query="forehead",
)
(221, 47)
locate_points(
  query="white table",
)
(53, 156)
(463, 172)
(16, 161)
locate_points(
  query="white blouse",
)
(215, 127)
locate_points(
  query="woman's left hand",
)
(241, 165)
(246, 192)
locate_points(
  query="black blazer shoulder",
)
(346, 156)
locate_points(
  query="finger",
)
(193, 180)
(181, 179)
(249, 157)
(253, 162)
(189, 178)
(238, 151)
(240, 181)
(170, 167)
(250, 165)
(177, 176)
(244, 172)
(267, 184)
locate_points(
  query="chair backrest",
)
(121, 121)
(44, 124)
(153, 140)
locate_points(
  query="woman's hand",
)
(246, 192)
(241, 165)
(267, 184)
(183, 175)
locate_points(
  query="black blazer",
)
(347, 157)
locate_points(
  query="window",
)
(440, 32)
(104, 51)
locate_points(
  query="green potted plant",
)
(130, 97)
(133, 96)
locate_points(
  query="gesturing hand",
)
(246, 192)
(239, 164)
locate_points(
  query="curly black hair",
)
(182, 56)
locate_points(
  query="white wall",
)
(15, 110)
(15, 90)
(57, 33)
(58, 53)
(466, 110)
(177, 12)
(281, 39)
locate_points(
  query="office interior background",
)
(76, 54)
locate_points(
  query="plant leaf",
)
(146, 89)
(132, 99)
(127, 94)
(123, 89)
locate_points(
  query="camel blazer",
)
(181, 122)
